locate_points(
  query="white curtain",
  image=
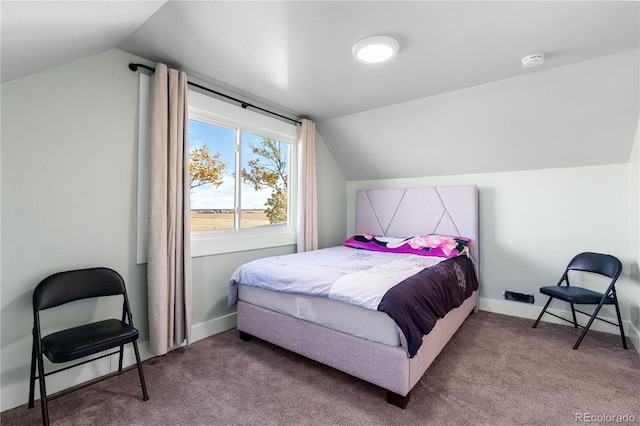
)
(169, 244)
(307, 232)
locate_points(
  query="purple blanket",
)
(416, 303)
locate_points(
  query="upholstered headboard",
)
(450, 210)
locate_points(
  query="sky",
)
(222, 140)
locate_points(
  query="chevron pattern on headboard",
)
(405, 212)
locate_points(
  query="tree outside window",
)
(262, 185)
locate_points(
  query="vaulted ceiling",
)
(456, 86)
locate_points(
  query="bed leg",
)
(397, 399)
(244, 336)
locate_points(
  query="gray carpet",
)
(495, 371)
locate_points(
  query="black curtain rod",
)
(243, 104)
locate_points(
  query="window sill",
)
(211, 243)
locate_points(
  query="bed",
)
(365, 343)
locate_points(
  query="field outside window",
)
(223, 199)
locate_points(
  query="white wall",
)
(332, 198)
(631, 292)
(69, 188)
(533, 222)
(68, 195)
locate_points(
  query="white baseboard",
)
(524, 310)
(215, 326)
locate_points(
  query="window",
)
(223, 198)
(243, 177)
(242, 169)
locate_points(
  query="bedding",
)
(425, 245)
(366, 279)
(418, 302)
(310, 273)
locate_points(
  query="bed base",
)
(392, 397)
(382, 365)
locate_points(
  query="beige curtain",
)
(169, 244)
(307, 232)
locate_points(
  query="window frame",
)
(207, 109)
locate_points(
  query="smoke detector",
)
(533, 60)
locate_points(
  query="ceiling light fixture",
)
(533, 60)
(375, 49)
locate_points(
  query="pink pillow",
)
(425, 245)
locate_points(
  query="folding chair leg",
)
(43, 390)
(145, 395)
(624, 341)
(586, 327)
(573, 312)
(535, 324)
(32, 376)
(120, 359)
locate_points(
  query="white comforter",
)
(351, 275)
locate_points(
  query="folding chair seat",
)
(83, 340)
(602, 264)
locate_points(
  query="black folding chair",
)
(84, 340)
(602, 264)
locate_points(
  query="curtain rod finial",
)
(133, 67)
